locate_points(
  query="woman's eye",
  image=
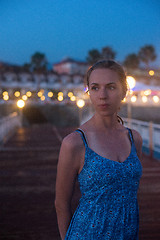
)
(94, 88)
(109, 87)
(112, 87)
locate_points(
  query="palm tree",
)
(131, 61)
(147, 54)
(108, 53)
(93, 56)
(38, 62)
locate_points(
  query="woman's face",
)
(105, 91)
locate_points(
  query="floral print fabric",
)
(108, 208)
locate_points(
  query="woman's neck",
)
(105, 123)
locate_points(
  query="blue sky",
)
(61, 28)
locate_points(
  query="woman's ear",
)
(123, 95)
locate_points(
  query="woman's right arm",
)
(67, 170)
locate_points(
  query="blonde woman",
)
(105, 158)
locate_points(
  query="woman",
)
(104, 156)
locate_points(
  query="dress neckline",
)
(111, 159)
(87, 146)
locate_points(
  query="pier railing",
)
(8, 125)
(150, 133)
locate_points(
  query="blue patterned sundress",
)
(108, 208)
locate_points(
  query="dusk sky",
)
(70, 28)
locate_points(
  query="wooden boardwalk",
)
(27, 187)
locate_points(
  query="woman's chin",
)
(105, 113)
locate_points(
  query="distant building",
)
(67, 74)
(70, 66)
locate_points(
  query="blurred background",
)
(46, 48)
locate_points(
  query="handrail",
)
(8, 124)
(150, 133)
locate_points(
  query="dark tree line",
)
(37, 64)
(106, 53)
(145, 55)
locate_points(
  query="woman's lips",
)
(103, 106)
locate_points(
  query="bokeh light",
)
(20, 103)
(70, 94)
(24, 97)
(5, 93)
(60, 98)
(133, 99)
(17, 94)
(151, 73)
(60, 94)
(156, 99)
(40, 94)
(144, 99)
(29, 94)
(50, 94)
(80, 103)
(42, 98)
(73, 98)
(131, 82)
(147, 92)
(6, 97)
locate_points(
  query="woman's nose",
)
(103, 93)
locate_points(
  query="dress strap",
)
(130, 135)
(83, 136)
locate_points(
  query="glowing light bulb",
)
(20, 103)
(147, 92)
(73, 98)
(42, 98)
(40, 94)
(131, 82)
(60, 98)
(133, 99)
(156, 99)
(50, 94)
(17, 94)
(80, 103)
(6, 97)
(24, 97)
(60, 94)
(5, 93)
(151, 73)
(144, 99)
(70, 94)
(29, 94)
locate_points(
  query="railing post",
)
(151, 139)
(129, 112)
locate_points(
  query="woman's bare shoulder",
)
(72, 151)
(74, 138)
(137, 137)
(73, 141)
